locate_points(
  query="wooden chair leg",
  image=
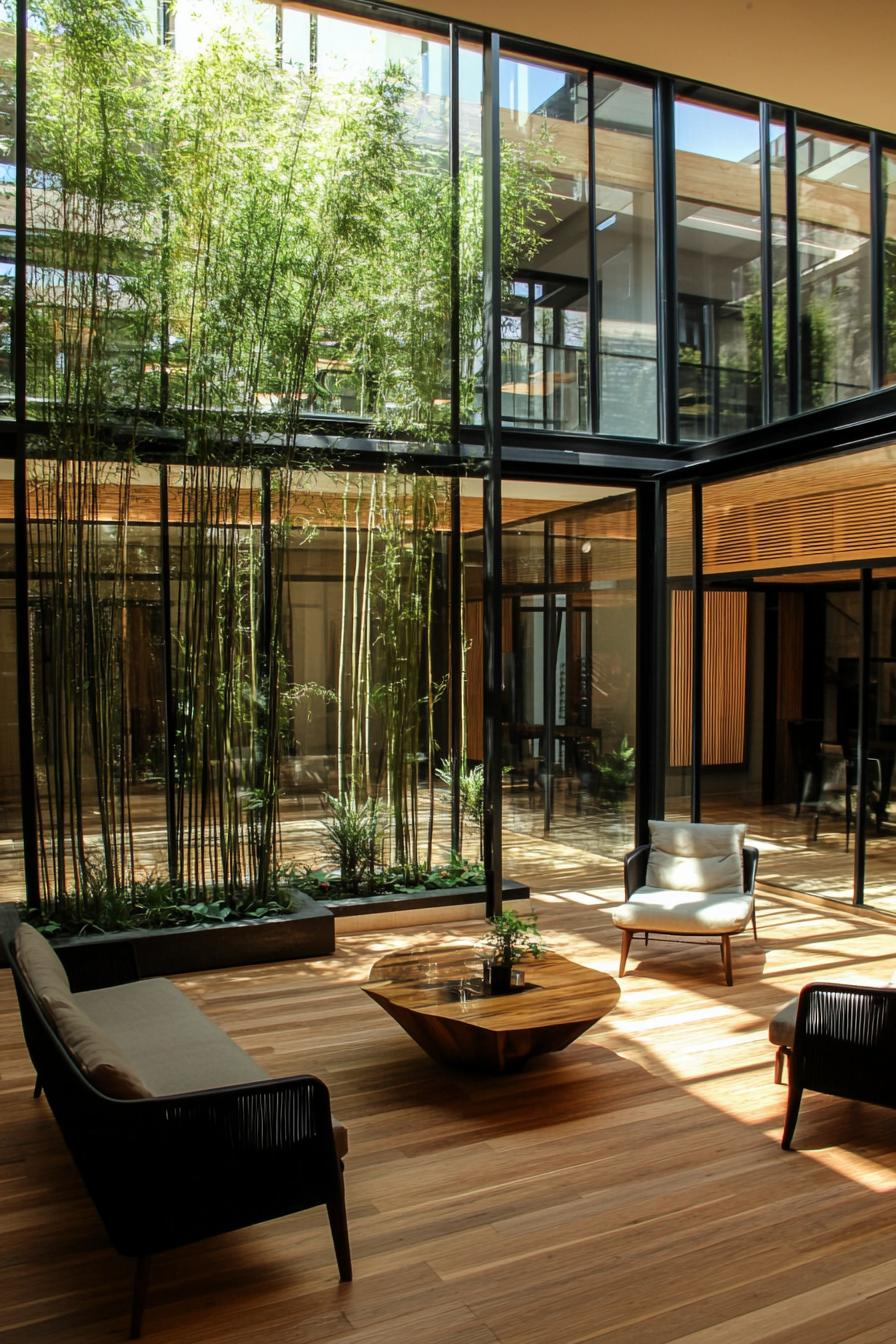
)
(646, 939)
(141, 1283)
(780, 1055)
(755, 934)
(38, 1088)
(794, 1097)
(339, 1232)
(726, 958)
(627, 937)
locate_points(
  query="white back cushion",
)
(688, 856)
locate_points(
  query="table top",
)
(446, 982)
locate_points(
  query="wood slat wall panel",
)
(724, 678)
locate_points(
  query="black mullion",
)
(766, 274)
(168, 648)
(20, 478)
(794, 360)
(878, 231)
(666, 242)
(593, 314)
(861, 818)
(492, 573)
(697, 628)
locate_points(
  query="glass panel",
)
(544, 158)
(626, 256)
(98, 687)
(317, 204)
(7, 207)
(888, 172)
(880, 861)
(679, 614)
(569, 632)
(778, 174)
(833, 183)
(719, 297)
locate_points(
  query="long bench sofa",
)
(177, 1133)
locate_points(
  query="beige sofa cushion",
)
(39, 963)
(665, 910)
(92, 1050)
(169, 1041)
(696, 856)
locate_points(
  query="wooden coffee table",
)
(437, 996)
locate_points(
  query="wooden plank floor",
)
(630, 1190)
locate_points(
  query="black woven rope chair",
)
(844, 1044)
(171, 1170)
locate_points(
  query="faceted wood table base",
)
(436, 996)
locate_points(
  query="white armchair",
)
(694, 880)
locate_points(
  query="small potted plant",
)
(508, 939)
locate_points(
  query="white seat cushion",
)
(688, 856)
(665, 910)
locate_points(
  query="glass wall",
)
(780, 290)
(544, 330)
(625, 256)
(719, 248)
(680, 662)
(888, 175)
(880, 858)
(835, 268)
(569, 685)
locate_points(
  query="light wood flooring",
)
(630, 1190)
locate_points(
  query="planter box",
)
(392, 902)
(100, 959)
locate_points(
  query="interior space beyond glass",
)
(578, 247)
(718, 267)
(783, 638)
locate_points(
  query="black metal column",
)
(651, 656)
(666, 242)
(491, 518)
(549, 677)
(170, 716)
(878, 232)
(20, 478)
(697, 656)
(593, 289)
(866, 589)
(794, 354)
(765, 265)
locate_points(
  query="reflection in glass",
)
(569, 690)
(679, 671)
(833, 183)
(778, 176)
(626, 260)
(888, 174)
(544, 158)
(719, 297)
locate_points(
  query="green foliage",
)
(616, 773)
(154, 903)
(509, 938)
(353, 834)
(325, 885)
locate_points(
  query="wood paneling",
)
(724, 678)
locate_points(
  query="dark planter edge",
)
(110, 958)
(393, 902)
